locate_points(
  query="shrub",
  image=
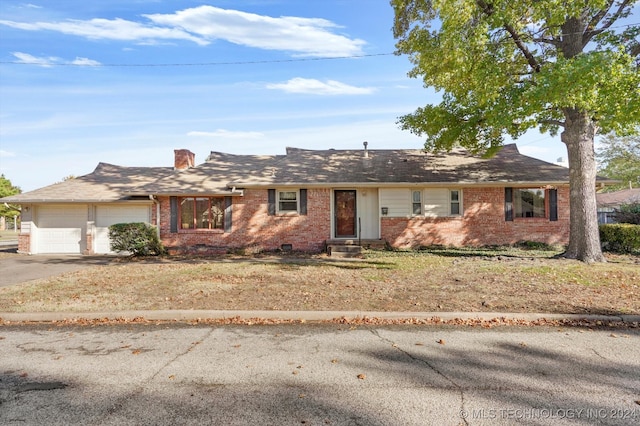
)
(628, 213)
(139, 239)
(620, 237)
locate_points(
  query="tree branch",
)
(551, 41)
(533, 63)
(591, 32)
(551, 122)
(531, 60)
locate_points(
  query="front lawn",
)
(436, 280)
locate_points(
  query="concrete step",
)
(365, 243)
(344, 250)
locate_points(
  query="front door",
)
(345, 210)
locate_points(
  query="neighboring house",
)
(306, 199)
(609, 202)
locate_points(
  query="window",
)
(454, 200)
(287, 201)
(416, 203)
(202, 213)
(529, 202)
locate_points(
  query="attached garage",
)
(112, 214)
(60, 229)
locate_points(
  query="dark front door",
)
(345, 208)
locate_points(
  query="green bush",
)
(628, 213)
(620, 237)
(139, 239)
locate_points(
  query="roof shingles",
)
(221, 172)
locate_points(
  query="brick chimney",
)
(184, 159)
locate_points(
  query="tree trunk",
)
(584, 236)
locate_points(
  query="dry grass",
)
(506, 280)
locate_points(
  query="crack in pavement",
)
(459, 388)
(117, 406)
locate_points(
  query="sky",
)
(126, 82)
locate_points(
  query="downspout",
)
(157, 204)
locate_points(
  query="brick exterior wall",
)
(483, 223)
(253, 228)
(24, 243)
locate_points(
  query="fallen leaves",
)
(361, 376)
(352, 322)
(440, 342)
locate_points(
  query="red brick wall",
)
(483, 223)
(24, 243)
(254, 228)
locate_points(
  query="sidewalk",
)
(310, 316)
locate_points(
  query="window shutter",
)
(553, 205)
(173, 204)
(303, 201)
(508, 204)
(227, 214)
(271, 199)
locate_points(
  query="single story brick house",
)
(305, 199)
(608, 202)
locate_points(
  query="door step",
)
(344, 250)
(367, 243)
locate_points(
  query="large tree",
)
(620, 159)
(504, 67)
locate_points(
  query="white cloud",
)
(86, 62)
(25, 58)
(114, 29)
(6, 154)
(311, 37)
(317, 87)
(222, 133)
(304, 36)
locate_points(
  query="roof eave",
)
(248, 185)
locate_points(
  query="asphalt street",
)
(318, 375)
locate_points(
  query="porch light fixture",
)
(385, 211)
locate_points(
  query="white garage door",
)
(110, 215)
(61, 229)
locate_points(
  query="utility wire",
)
(254, 62)
(199, 64)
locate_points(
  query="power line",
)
(199, 64)
(253, 62)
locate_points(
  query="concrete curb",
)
(307, 316)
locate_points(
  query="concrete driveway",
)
(18, 268)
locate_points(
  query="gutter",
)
(402, 184)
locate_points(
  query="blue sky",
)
(128, 81)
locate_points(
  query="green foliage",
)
(620, 159)
(628, 213)
(620, 237)
(7, 189)
(506, 67)
(139, 239)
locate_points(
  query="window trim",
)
(458, 202)
(195, 199)
(278, 201)
(420, 202)
(518, 205)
